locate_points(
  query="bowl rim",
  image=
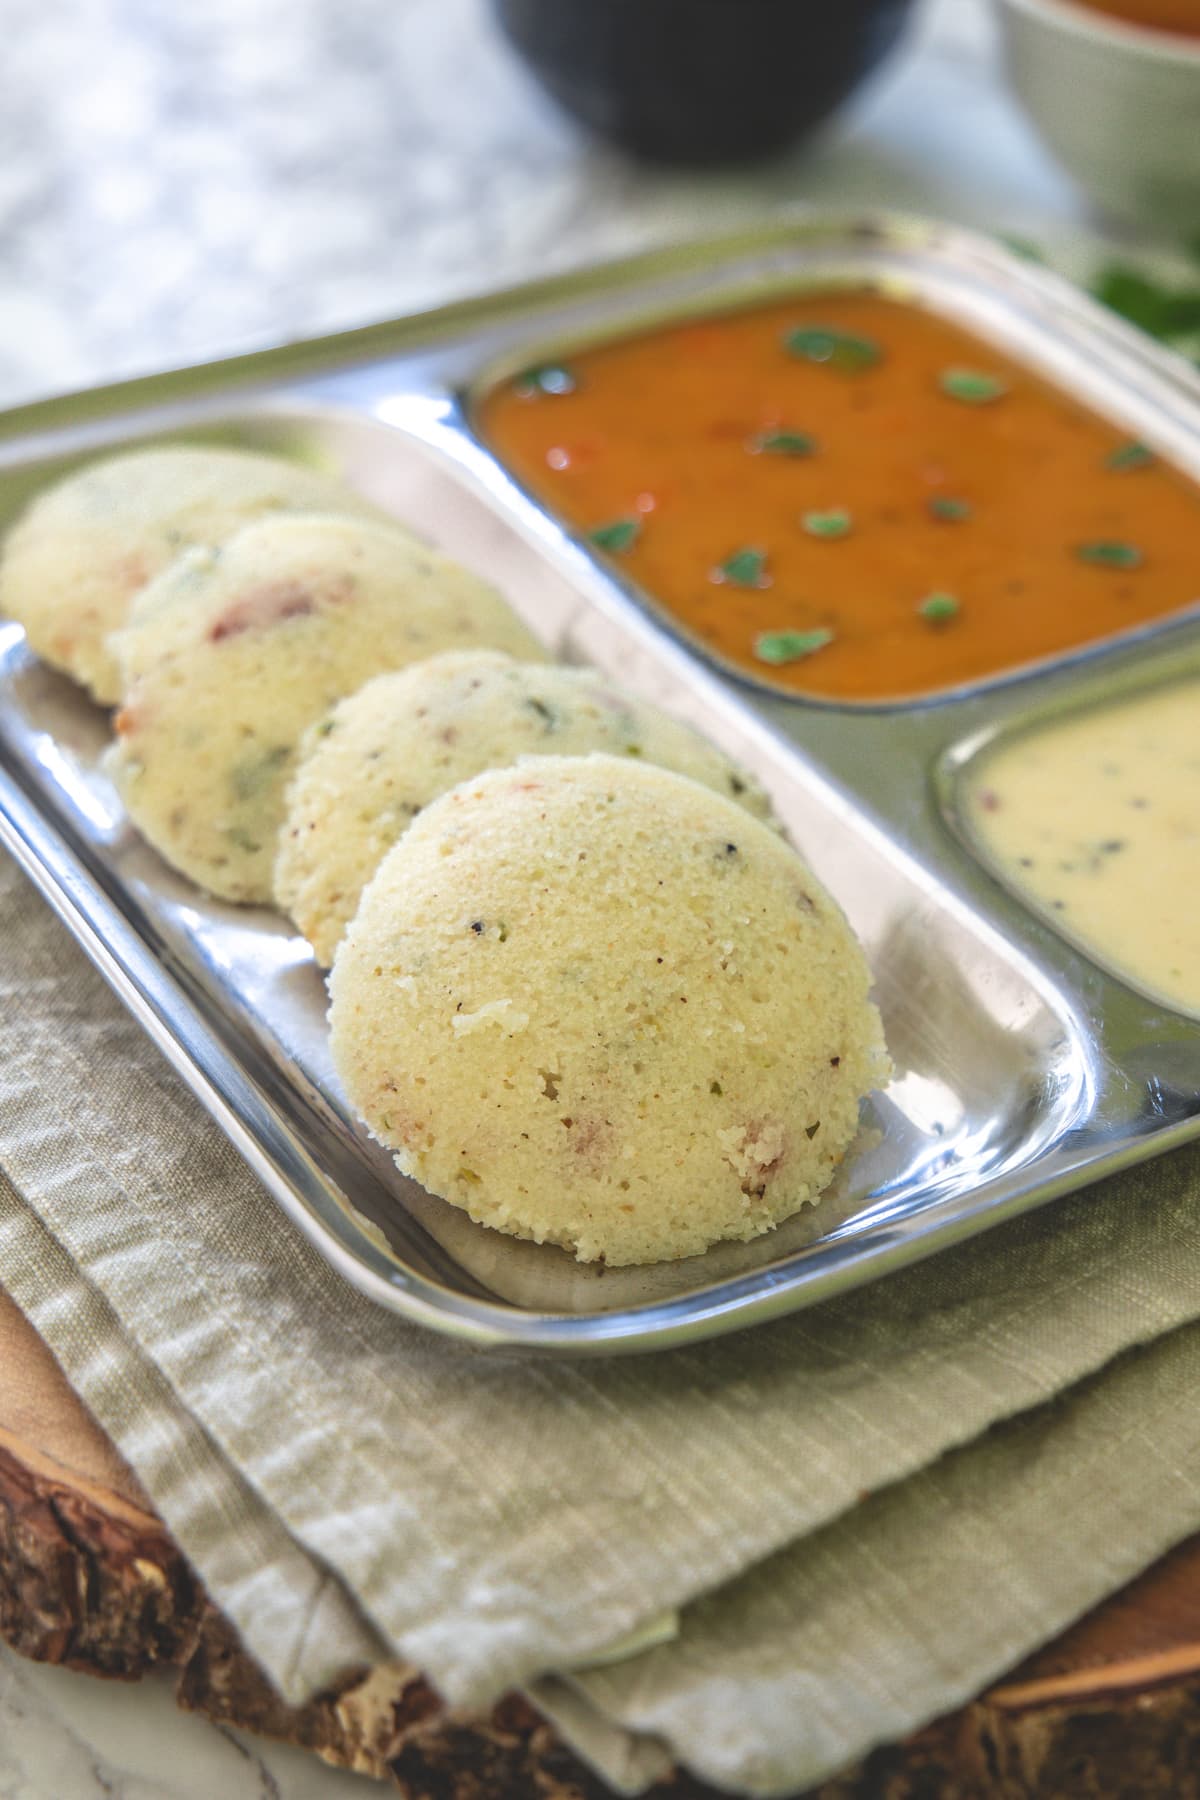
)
(1153, 44)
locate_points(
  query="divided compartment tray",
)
(1023, 1070)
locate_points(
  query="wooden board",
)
(90, 1578)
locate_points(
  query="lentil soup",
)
(848, 497)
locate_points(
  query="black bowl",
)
(701, 81)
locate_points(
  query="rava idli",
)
(379, 758)
(232, 654)
(74, 561)
(596, 1004)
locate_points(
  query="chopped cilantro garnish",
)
(783, 443)
(239, 836)
(973, 386)
(257, 772)
(617, 536)
(536, 705)
(942, 506)
(1165, 312)
(1132, 455)
(1023, 247)
(1107, 553)
(832, 524)
(938, 607)
(843, 350)
(790, 646)
(745, 568)
(546, 378)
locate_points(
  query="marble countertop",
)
(180, 182)
(183, 181)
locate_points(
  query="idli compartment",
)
(446, 505)
(1090, 816)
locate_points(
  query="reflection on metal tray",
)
(1022, 1070)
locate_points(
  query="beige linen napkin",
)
(345, 1484)
(911, 1603)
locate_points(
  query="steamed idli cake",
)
(239, 650)
(381, 756)
(85, 547)
(595, 1004)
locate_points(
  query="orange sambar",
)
(1179, 16)
(849, 497)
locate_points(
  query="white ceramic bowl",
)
(1118, 104)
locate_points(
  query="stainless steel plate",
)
(1023, 1070)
